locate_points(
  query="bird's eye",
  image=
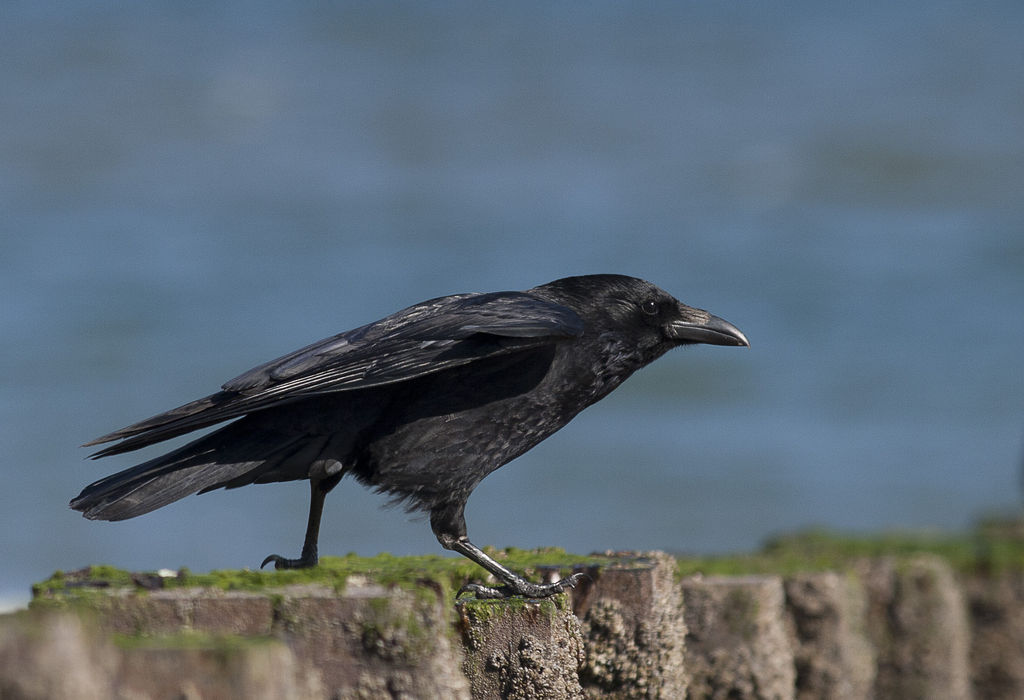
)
(649, 307)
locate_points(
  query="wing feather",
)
(430, 337)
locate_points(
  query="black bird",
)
(421, 405)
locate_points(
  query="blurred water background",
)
(189, 189)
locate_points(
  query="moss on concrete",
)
(425, 575)
(486, 610)
(995, 545)
(221, 643)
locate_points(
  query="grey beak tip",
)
(713, 331)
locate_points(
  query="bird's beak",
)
(710, 329)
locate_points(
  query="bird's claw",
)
(281, 563)
(522, 587)
(483, 592)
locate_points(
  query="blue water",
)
(187, 191)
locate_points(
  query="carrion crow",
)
(421, 405)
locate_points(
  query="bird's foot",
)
(521, 587)
(304, 562)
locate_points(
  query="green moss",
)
(396, 633)
(740, 613)
(226, 643)
(485, 611)
(996, 545)
(430, 577)
(984, 549)
(92, 577)
(555, 605)
(80, 588)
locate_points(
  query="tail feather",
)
(194, 415)
(233, 456)
(201, 413)
(183, 412)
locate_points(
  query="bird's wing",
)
(422, 339)
(429, 337)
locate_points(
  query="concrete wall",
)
(880, 627)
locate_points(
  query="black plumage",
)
(421, 405)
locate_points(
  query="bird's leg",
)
(513, 584)
(449, 526)
(318, 490)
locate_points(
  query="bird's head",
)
(650, 316)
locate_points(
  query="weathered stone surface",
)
(633, 629)
(310, 641)
(178, 610)
(58, 655)
(54, 656)
(900, 627)
(264, 671)
(521, 649)
(737, 645)
(373, 642)
(996, 606)
(833, 656)
(917, 622)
